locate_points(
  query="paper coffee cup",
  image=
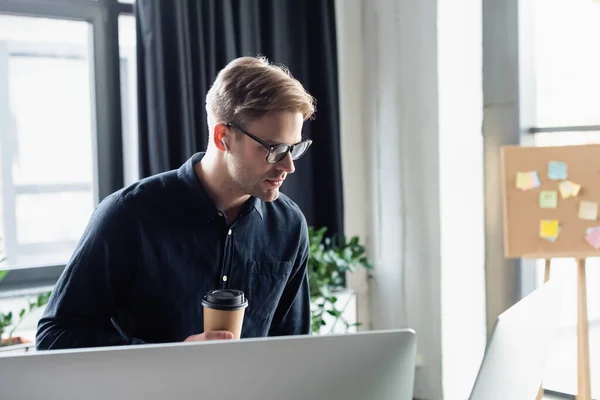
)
(224, 311)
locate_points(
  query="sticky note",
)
(548, 199)
(553, 238)
(557, 170)
(527, 180)
(588, 210)
(593, 238)
(523, 181)
(535, 179)
(568, 189)
(590, 230)
(548, 228)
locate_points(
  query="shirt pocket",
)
(265, 285)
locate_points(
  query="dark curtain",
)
(182, 44)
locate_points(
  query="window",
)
(127, 50)
(567, 105)
(62, 148)
(47, 158)
(566, 65)
(566, 110)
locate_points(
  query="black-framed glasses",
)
(277, 152)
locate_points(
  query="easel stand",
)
(584, 384)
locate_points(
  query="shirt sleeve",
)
(82, 308)
(293, 316)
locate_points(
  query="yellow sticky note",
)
(548, 228)
(523, 180)
(588, 210)
(527, 180)
(565, 189)
(548, 199)
(568, 189)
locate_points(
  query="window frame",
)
(11, 190)
(547, 129)
(102, 15)
(530, 275)
(526, 106)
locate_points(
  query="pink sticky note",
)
(593, 238)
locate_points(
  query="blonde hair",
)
(249, 87)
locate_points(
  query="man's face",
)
(247, 162)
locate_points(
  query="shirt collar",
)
(187, 174)
(257, 204)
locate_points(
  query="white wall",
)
(411, 134)
(461, 194)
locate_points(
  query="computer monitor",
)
(365, 365)
(516, 354)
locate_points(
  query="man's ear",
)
(219, 137)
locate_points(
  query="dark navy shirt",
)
(151, 251)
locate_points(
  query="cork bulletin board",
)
(551, 197)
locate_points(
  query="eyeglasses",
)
(277, 152)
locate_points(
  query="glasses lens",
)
(278, 153)
(300, 149)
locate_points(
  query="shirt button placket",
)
(228, 246)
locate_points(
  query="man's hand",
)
(213, 335)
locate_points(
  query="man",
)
(151, 251)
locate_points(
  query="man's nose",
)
(286, 164)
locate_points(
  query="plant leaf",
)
(330, 258)
(334, 313)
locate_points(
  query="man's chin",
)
(269, 195)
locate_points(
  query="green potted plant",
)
(331, 258)
(9, 324)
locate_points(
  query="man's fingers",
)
(218, 335)
(212, 335)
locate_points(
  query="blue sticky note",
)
(557, 170)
